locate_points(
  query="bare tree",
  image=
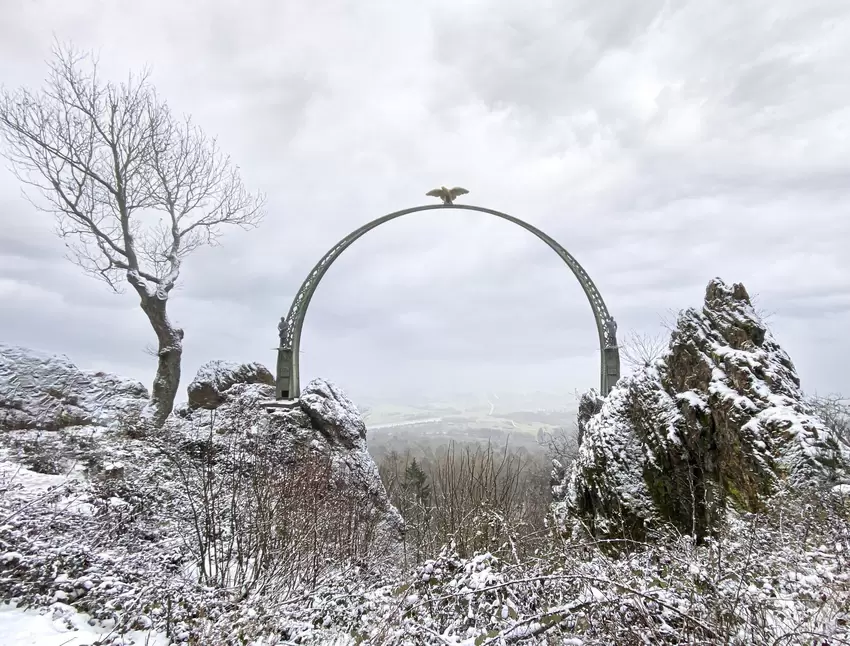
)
(482, 497)
(834, 410)
(134, 188)
(641, 350)
(763, 315)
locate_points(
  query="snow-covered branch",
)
(133, 188)
(117, 168)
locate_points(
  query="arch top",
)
(289, 328)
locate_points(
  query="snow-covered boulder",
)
(214, 378)
(324, 424)
(333, 413)
(98, 511)
(718, 420)
(343, 437)
(47, 392)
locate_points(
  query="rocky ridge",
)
(325, 423)
(57, 420)
(99, 545)
(48, 392)
(719, 421)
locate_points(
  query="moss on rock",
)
(718, 421)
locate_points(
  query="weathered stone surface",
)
(589, 405)
(48, 392)
(214, 378)
(325, 423)
(333, 413)
(719, 420)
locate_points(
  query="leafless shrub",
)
(642, 350)
(259, 521)
(834, 410)
(481, 497)
(763, 315)
(765, 579)
(561, 445)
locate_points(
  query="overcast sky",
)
(662, 143)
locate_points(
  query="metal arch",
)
(288, 375)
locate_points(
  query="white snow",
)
(752, 387)
(448, 600)
(42, 388)
(212, 371)
(60, 625)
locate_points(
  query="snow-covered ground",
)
(99, 540)
(61, 625)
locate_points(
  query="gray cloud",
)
(662, 143)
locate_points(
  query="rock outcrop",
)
(57, 417)
(325, 424)
(718, 421)
(215, 377)
(48, 392)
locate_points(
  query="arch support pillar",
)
(288, 384)
(610, 369)
(283, 381)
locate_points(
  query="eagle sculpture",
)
(448, 195)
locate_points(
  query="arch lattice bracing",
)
(288, 375)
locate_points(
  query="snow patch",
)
(61, 625)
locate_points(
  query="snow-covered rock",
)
(214, 378)
(48, 392)
(325, 423)
(59, 418)
(333, 413)
(108, 550)
(110, 509)
(718, 420)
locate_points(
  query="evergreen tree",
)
(417, 509)
(416, 483)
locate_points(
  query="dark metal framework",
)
(288, 375)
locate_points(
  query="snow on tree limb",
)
(134, 188)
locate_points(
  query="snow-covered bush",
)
(260, 519)
(779, 577)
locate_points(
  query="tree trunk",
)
(169, 354)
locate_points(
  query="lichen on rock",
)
(214, 378)
(718, 421)
(44, 391)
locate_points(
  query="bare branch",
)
(642, 350)
(834, 410)
(134, 189)
(761, 313)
